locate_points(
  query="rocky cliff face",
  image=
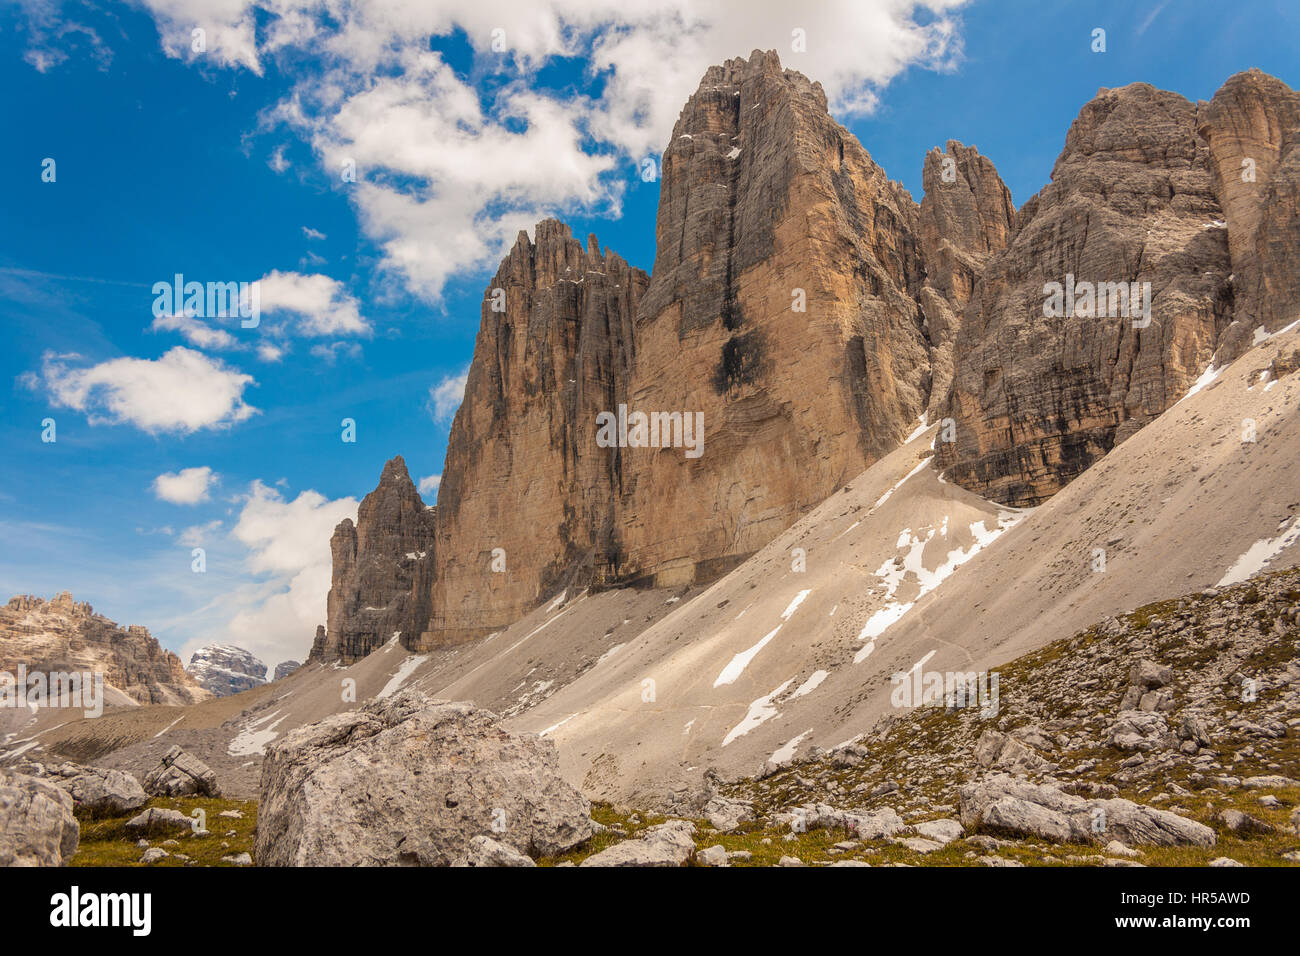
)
(782, 307)
(67, 635)
(284, 669)
(1037, 399)
(224, 669)
(966, 218)
(382, 570)
(1253, 128)
(527, 503)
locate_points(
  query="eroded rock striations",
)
(1037, 399)
(783, 307)
(382, 571)
(527, 504)
(63, 635)
(1201, 201)
(966, 218)
(1253, 128)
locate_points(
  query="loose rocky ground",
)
(1178, 721)
(107, 841)
(1190, 706)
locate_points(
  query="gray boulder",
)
(725, 815)
(944, 831)
(485, 851)
(101, 790)
(159, 820)
(1137, 730)
(715, 855)
(1009, 805)
(668, 844)
(873, 825)
(37, 827)
(409, 781)
(181, 774)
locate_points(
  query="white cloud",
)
(277, 162)
(278, 594)
(270, 353)
(183, 391)
(311, 233)
(188, 486)
(428, 485)
(286, 537)
(195, 331)
(320, 305)
(199, 534)
(446, 396)
(446, 178)
(50, 35)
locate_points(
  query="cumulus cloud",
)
(195, 331)
(188, 486)
(446, 396)
(428, 485)
(446, 173)
(183, 391)
(318, 304)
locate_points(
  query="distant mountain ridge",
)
(63, 634)
(225, 669)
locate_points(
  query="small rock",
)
(485, 851)
(715, 855)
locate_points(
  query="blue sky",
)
(224, 164)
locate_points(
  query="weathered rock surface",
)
(967, 217)
(485, 851)
(1008, 805)
(181, 774)
(97, 789)
(786, 309)
(225, 669)
(668, 844)
(1252, 126)
(767, 206)
(37, 827)
(159, 820)
(382, 570)
(284, 669)
(66, 636)
(407, 781)
(1037, 399)
(523, 472)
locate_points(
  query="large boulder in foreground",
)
(1005, 804)
(410, 781)
(37, 827)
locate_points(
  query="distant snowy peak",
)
(225, 669)
(285, 668)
